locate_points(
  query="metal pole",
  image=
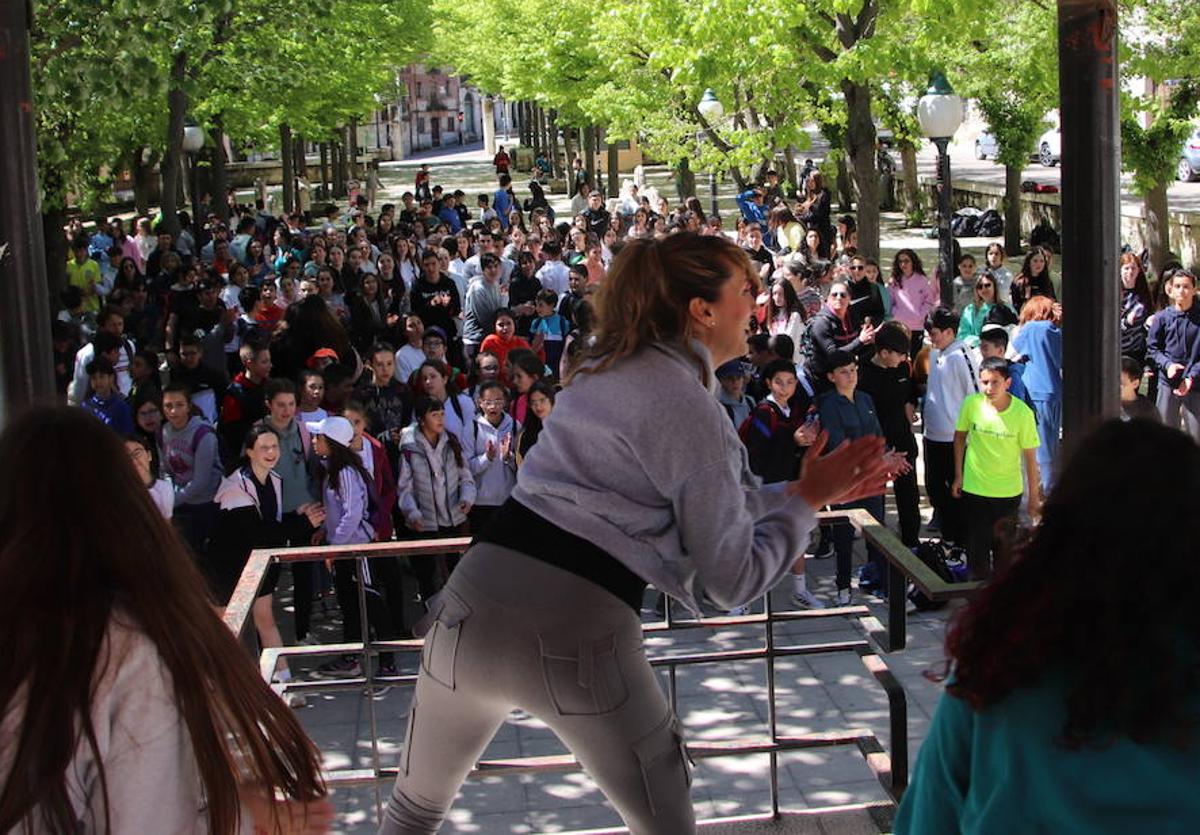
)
(26, 358)
(945, 238)
(364, 623)
(197, 225)
(712, 192)
(1091, 228)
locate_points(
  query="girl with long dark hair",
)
(158, 721)
(543, 612)
(914, 296)
(541, 404)
(1071, 702)
(1136, 307)
(1034, 278)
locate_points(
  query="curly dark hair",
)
(1095, 595)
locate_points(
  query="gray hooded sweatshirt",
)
(643, 461)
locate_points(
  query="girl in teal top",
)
(1073, 705)
(872, 271)
(971, 322)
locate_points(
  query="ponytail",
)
(644, 298)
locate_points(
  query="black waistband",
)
(517, 527)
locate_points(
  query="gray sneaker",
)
(843, 597)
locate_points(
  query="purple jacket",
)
(346, 510)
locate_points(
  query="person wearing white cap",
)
(346, 497)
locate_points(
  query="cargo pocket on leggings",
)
(408, 736)
(666, 766)
(441, 644)
(583, 678)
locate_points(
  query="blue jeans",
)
(1049, 427)
(843, 541)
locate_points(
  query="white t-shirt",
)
(163, 496)
(554, 276)
(314, 416)
(408, 360)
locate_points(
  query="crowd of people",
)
(428, 340)
(367, 376)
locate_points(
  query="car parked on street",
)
(1049, 147)
(1189, 159)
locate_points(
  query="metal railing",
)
(890, 770)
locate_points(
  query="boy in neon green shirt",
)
(84, 273)
(995, 433)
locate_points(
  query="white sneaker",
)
(843, 597)
(296, 700)
(805, 599)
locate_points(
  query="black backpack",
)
(1045, 235)
(991, 224)
(933, 554)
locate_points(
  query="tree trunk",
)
(595, 173)
(352, 150)
(177, 105)
(860, 142)
(220, 174)
(143, 170)
(324, 147)
(685, 180)
(340, 186)
(789, 166)
(556, 166)
(589, 154)
(286, 151)
(1158, 230)
(1012, 209)
(845, 189)
(614, 172)
(911, 189)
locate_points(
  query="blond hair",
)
(645, 296)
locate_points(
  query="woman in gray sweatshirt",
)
(620, 491)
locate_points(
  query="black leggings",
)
(299, 535)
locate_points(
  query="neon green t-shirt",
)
(86, 277)
(995, 440)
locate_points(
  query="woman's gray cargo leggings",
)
(514, 632)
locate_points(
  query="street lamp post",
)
(711, 109)
(940, 113)
(193, 141)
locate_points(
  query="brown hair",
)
(66, 575)
(1037, 309)
(644, 298)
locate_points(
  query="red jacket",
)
(384, 487)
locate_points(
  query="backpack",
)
(991, 224)
(936, 557)
(965, 225)
(1044, 235)
(756, 421)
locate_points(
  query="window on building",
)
(449, 123)
(420, 124)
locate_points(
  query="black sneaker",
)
(345, 666)
(824, 552)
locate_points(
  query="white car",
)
(1049, 147)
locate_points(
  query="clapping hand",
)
(855, 470)
(897, 463)
(807, 433)
(505, 446)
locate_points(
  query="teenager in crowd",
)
(541, 404)
(914, 295)
(434, 380)
(1133, 404)
(1040, 340)
(105, 402)
(190, 458)
(161, 493)
(494, 463)
(983, 308)
(160, 722)
(995, 435)
(953, 375)
(1033, 279)
(1174, 348)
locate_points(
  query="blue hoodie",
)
(1041, 341)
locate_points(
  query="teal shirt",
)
(999, 772)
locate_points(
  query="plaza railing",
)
(890, 769)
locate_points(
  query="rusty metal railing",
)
(890, 770)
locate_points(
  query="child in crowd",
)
(732, 377)
(993, 342)
(436, 490)
(549, 330)
(105, 402)
(190, 459)
(494, 464)
(503, 340)
(312, 393)
(773, 435)
(541, 404)
(141, 454)
(1133, 404)
(525, 369)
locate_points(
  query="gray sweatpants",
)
(513, 632)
